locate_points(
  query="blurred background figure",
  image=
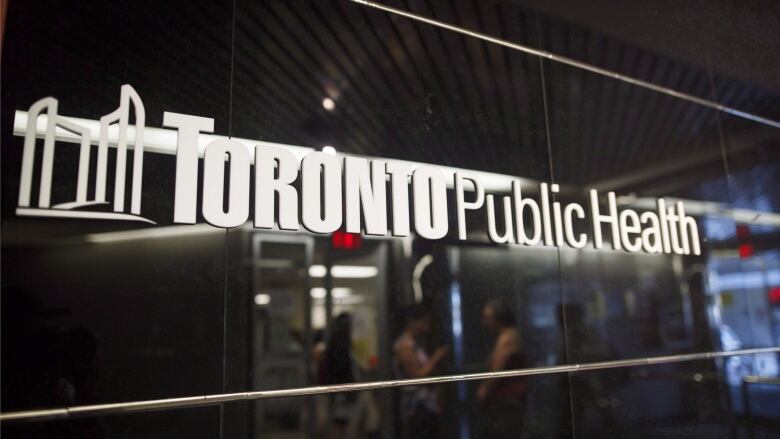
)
(419, 408)
(351, 414)
(502, 400)
(338, 367)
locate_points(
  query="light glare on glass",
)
(353, 271)
(317, 271)
(328, 104)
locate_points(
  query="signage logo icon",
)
(45, 111)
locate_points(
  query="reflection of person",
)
(503, 399)
(337, 363)
(338, 367)
(419, 408)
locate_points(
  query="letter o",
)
(214, 183)
(321, 215)
(430, 202)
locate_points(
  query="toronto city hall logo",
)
(300, 188)
(74, 209)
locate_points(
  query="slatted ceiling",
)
(411, 70)
(756, 188)
(459, 94)
(404, 66)
(438, 103)
(739, 95)
(610, 53)
(459, 81)
(339, 73)
(497, 65)
(288, 93)
(172, 64)
(517, 84)
(369, 132)
(446, 102)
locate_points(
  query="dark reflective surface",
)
(191, 422)
(105, 311)
(613, 138)
(110, 311)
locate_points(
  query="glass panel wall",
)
(127, 307)
(107, 299)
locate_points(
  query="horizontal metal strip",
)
(574, 63)
(195, 401)
(753, 379)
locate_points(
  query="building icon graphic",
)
(54, 123)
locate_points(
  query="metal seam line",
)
(195, 401)
(574, 63)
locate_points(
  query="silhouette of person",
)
(338, 367)
(502, 400)
(337, 363)
(419, 408)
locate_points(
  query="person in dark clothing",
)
(502, 400)
(419, 407)
(338, 367)
(337, 363)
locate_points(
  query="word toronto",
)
(334, 191)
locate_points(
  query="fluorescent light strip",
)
(317, 271)
(163, 141)
(344, 271)
(318, 293)
(156, 140)
(341, 292)
(152, 233)
(353, 271)
(262, 299)
(337, 293)
(351, 300)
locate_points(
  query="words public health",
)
(324, 192)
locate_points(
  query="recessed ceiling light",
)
(353, 271)
(317, 271)
(328, 104)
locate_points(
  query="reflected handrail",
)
(196, 401)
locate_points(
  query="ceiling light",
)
(317, 271)
(340, 293)
(336, 293)
(152, 233)
(328, 104)
(353, 271)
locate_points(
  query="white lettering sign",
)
(323, 192)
